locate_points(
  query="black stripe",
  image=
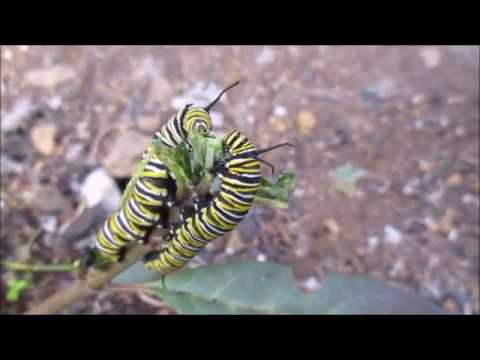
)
(144, 193)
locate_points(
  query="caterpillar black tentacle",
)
(240, 180)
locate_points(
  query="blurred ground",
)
(387, 143)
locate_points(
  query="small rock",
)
(418, 99)
(372, 242)
(311, 284)
(265, 57)
(125, 153)
(425, 166)
(50, 77)
(280, 111)
(444, 122)
(382, 89)
(392, 236)
(431, 57)
(48, 199)
(21, 111)
(298, 192)
(470, 199)
(100, 188)
(73, 152)
(446, 222)
(436, 196)
(460, 131)
(84, 224)
(48, 223)
(149, 124)
(43, 138)
(278, 124)
(261, 258)
(454, 179)
(453, 235)
(331, 227)
(411, 187)
(9, 166)
(55, 103)
(7, 54)
(306, 122)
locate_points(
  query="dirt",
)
(386, 155)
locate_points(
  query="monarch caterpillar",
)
(154, 187)
(214, 216)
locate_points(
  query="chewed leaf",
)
(177, 160)
(267, 288)
(276, 194)
(206, 150)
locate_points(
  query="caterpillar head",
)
(196, 118)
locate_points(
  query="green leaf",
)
(15, 287)
(267, 288)
(276, 194)
(206, 151)
(137, 273)
(345, 178)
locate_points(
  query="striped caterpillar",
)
(214, 216)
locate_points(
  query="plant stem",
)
(19, 266)
(82, 288)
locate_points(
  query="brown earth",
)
(405, 118)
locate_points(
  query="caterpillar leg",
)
(186, 211)
(87, 260)
(121, 255)
(202, 201)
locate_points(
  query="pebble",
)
(311, 284)
(418, 99)
(306, 122)
(261, 258)
(411, 187)
(392, 236)
(50, 77)
(470, 199)
(265, 57)
(100, 188)
(431, 57)
(43, 138)
(382, 89)
(425, 166)
(7, 54)
(48, 223)
(444, 122)
(55, 103)
(48, 199)
(460, 131)
(73, 152)
(278, 124)
(280, 111)
(15, 118)
(455, 179)
(331, 226)
(85, 223)
(125, 152)
(372, 242)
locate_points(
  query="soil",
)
(386, 156)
